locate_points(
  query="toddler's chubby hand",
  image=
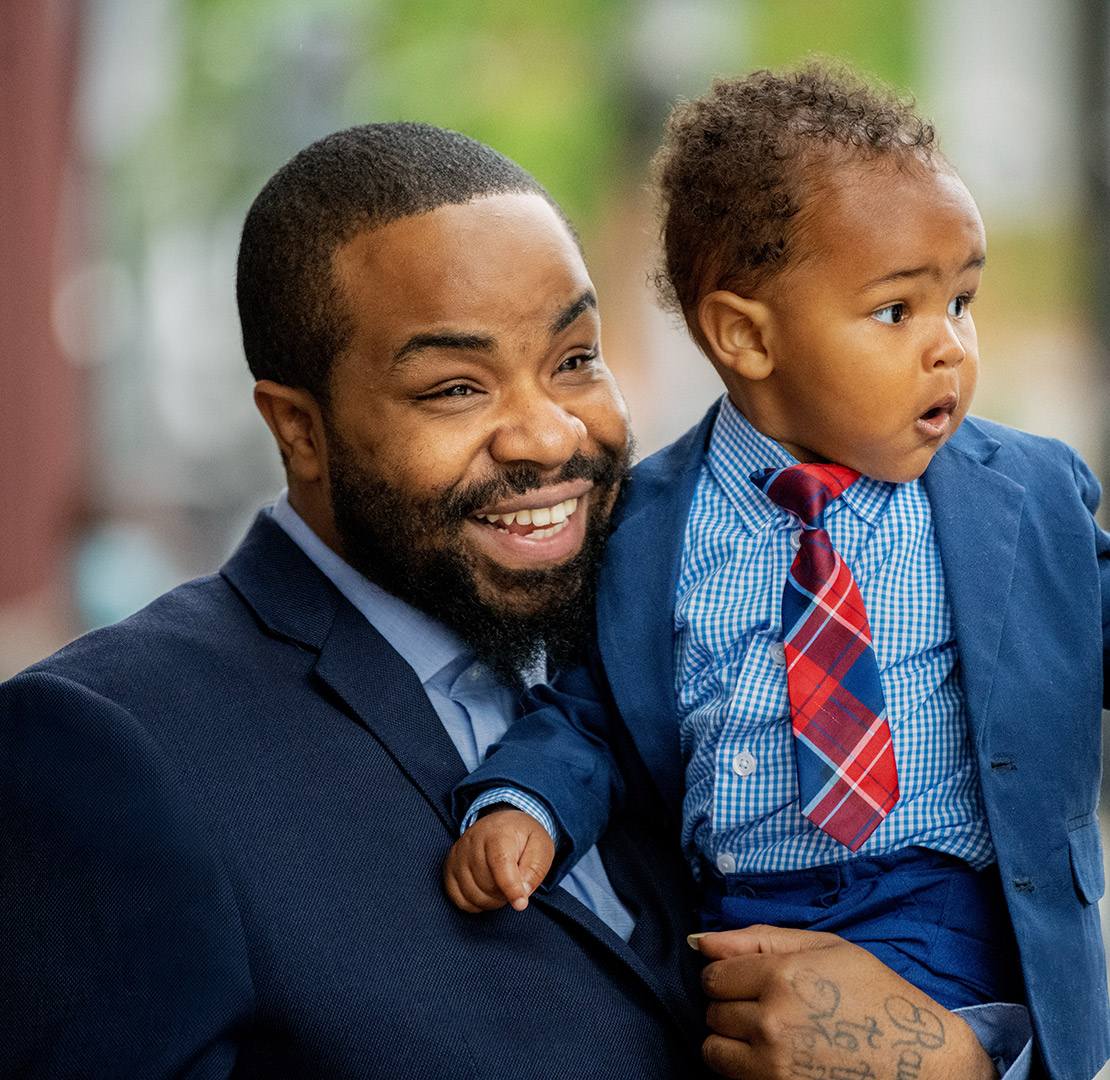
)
(500, 859)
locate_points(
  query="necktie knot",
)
(805, 490)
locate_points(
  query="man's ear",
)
(293, 416)
(734, 328)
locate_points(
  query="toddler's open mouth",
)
(937, 421)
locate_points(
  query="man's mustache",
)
(605, 470)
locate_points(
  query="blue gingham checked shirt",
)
(741, 808)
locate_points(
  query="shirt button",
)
(778, 653)
(726, 864)
(743, 764)
(796, 540)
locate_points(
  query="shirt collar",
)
(426, 645)
(737, 449)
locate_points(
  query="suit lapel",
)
(382, 693)
(659, 928)
(635, 604)
(294, 600)
(386, 697)
(978, 552)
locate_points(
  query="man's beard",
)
(411, 547)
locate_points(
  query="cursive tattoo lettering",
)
(924, 1026)
(835, 1046)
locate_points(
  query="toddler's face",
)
(874, 349)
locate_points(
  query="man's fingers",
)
(760, 939)
(729, 1057)
(736, 1019)
(736, 978)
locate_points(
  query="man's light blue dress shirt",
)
(474, 707)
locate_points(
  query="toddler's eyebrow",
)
(976, 262)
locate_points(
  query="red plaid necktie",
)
(847, 778)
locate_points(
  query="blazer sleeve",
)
(122, 951)
(559, 752)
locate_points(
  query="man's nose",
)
(535, 428)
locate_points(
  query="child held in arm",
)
(858, 636)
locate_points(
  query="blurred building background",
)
(134, 133)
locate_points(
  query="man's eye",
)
(894, 313)
(457, 390)
(573, 363)
(958, 308)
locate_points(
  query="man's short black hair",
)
(737, 165)
(293, 316)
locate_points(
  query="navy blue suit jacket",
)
(222, 827)
(1027, 572)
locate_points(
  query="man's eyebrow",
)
(976, 262)
(444, 340)
(482, 343)
(571, 312)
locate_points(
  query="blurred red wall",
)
(40, 417)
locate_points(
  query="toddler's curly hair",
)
(737, 164)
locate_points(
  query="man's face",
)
(474, 437)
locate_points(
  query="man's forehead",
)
(462, 267)
(524, 218)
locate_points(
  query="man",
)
(223, 819)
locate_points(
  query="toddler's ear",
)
(733, 327)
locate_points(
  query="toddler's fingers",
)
(477, 889)
(456, 896)
(467, 881)
(501, 860)
(536, 859)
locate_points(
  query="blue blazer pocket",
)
(1085, 845)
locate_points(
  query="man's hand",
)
(501, 858)
(801, 1004)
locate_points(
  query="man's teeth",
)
(542, 516)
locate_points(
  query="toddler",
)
(857, 637)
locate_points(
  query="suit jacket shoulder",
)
(225, 821)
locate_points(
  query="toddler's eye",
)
(894, 313)
(958, 308)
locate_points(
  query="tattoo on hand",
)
(907, 1028)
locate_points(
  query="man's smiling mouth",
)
(537, 523)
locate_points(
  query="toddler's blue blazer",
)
(1028, 576)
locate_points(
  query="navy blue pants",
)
(929, 916)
